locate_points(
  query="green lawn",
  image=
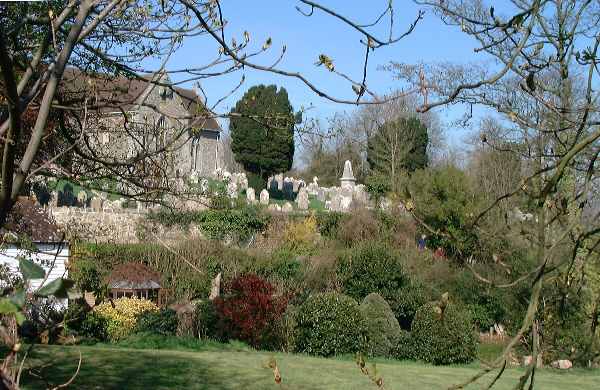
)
(106, 367)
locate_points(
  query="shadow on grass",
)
(120, 368)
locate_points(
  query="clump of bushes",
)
(384, 330)
(299, 236)
(248, 310)
(372, 267)
(206, 320)
(330, 324)
(238, 223)
(443, 336)
(329, 223)
(121, 319)
(359, 227)
(163, 321)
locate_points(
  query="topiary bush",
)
(122, 317)
(162, 322)
(384, 330)
(330, 324)
(443, 337)
(248, 310)
(403, 348)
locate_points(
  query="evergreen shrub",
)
(330, 324)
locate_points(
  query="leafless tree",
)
(539, 72)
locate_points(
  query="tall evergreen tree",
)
(262, 131)
(398, 146)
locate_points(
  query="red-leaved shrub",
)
(249, 310)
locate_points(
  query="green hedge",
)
(444, 337)
(330, 324)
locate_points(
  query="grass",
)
(234, 366)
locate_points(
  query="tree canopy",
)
(398, 146)
(262, 131)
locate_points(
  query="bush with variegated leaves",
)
(122, 318)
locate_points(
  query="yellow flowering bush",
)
(302, 234)
(122, 318)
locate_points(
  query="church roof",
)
(112, 94)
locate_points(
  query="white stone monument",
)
(347, 180)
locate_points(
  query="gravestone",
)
(279, 180)
(54, 199)
(288, 187)
(96, 203)
(82, 198)
(232, 189)
(250, 195)
(302, 199)
(321, 194)
(264, 197)
(274, 207)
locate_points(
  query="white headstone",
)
(287, 207)
(264, 197)
(274, 207)
(250, 195)
(302, 199)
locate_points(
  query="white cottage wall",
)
(52, 257)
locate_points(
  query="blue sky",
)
(307, 37)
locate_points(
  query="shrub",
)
(283, 265)
(238, 223)
(378, 186)
(443, 337)
(206, 319)
(488, 306)
(86, 275)
(75, 315)
(403, 348)
(371, 267)
(122, 318)
(329, 222)
(445, 199)
(359, 227)
(384, 330)
(407, 301)
(162, 322)
(330, 324)
(300, 236)
(248, 310)
(94, 326)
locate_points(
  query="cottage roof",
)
(134, 276)
(112, 94)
